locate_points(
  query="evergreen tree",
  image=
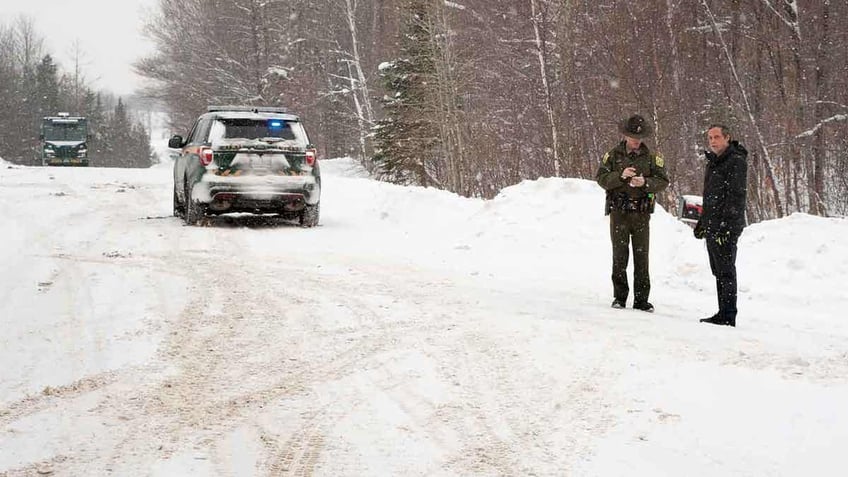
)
(122, 142)
(142, 153)
(121, 135)
(93, 110)
(9, 95)
(116, 138)
(47, 87)
(390, 157)
(29, 122)
(407, 138)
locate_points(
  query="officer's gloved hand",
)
(699, 231)
(722, 237)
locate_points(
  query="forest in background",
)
(476, 95)
(33, 85)
(473, 96)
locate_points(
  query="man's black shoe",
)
(718, 320)
(644, 306)
(618, 304)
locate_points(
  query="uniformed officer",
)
(631, 175)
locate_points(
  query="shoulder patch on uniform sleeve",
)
(658, 160)
(605, 160)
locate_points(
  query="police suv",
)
(246, 159)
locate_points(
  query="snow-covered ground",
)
(413, 333)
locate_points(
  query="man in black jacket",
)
(723, 217)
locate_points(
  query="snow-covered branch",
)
(822, 123)
(833, 103)
(791, 23)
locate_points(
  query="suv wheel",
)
(193, 210)
(179, 209)
(310, 215)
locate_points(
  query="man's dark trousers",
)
(723, 264)
(624, 227)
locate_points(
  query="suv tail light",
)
(205, 155)
(310, 157)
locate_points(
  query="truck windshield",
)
(64, 131)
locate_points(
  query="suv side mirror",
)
(175, 142)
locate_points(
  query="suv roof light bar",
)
(252, 109)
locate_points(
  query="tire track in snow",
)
(299, 454)
(204, 397)
(507, 408)
(52, 397)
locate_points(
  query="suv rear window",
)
(251, 128)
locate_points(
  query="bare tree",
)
(358, 80)
(538, 10)
(78, 80)
(754, 122)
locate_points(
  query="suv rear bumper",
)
(270, 194)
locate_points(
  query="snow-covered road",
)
(413, 333)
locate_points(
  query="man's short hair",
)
(725, 131)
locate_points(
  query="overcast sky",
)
(109, 32)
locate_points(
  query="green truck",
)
(63, 140)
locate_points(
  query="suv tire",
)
(310, 215)
(179, 209)
(193, 210)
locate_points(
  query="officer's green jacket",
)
(649, 165)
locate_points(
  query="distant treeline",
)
(475, 95)
(33, 86)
